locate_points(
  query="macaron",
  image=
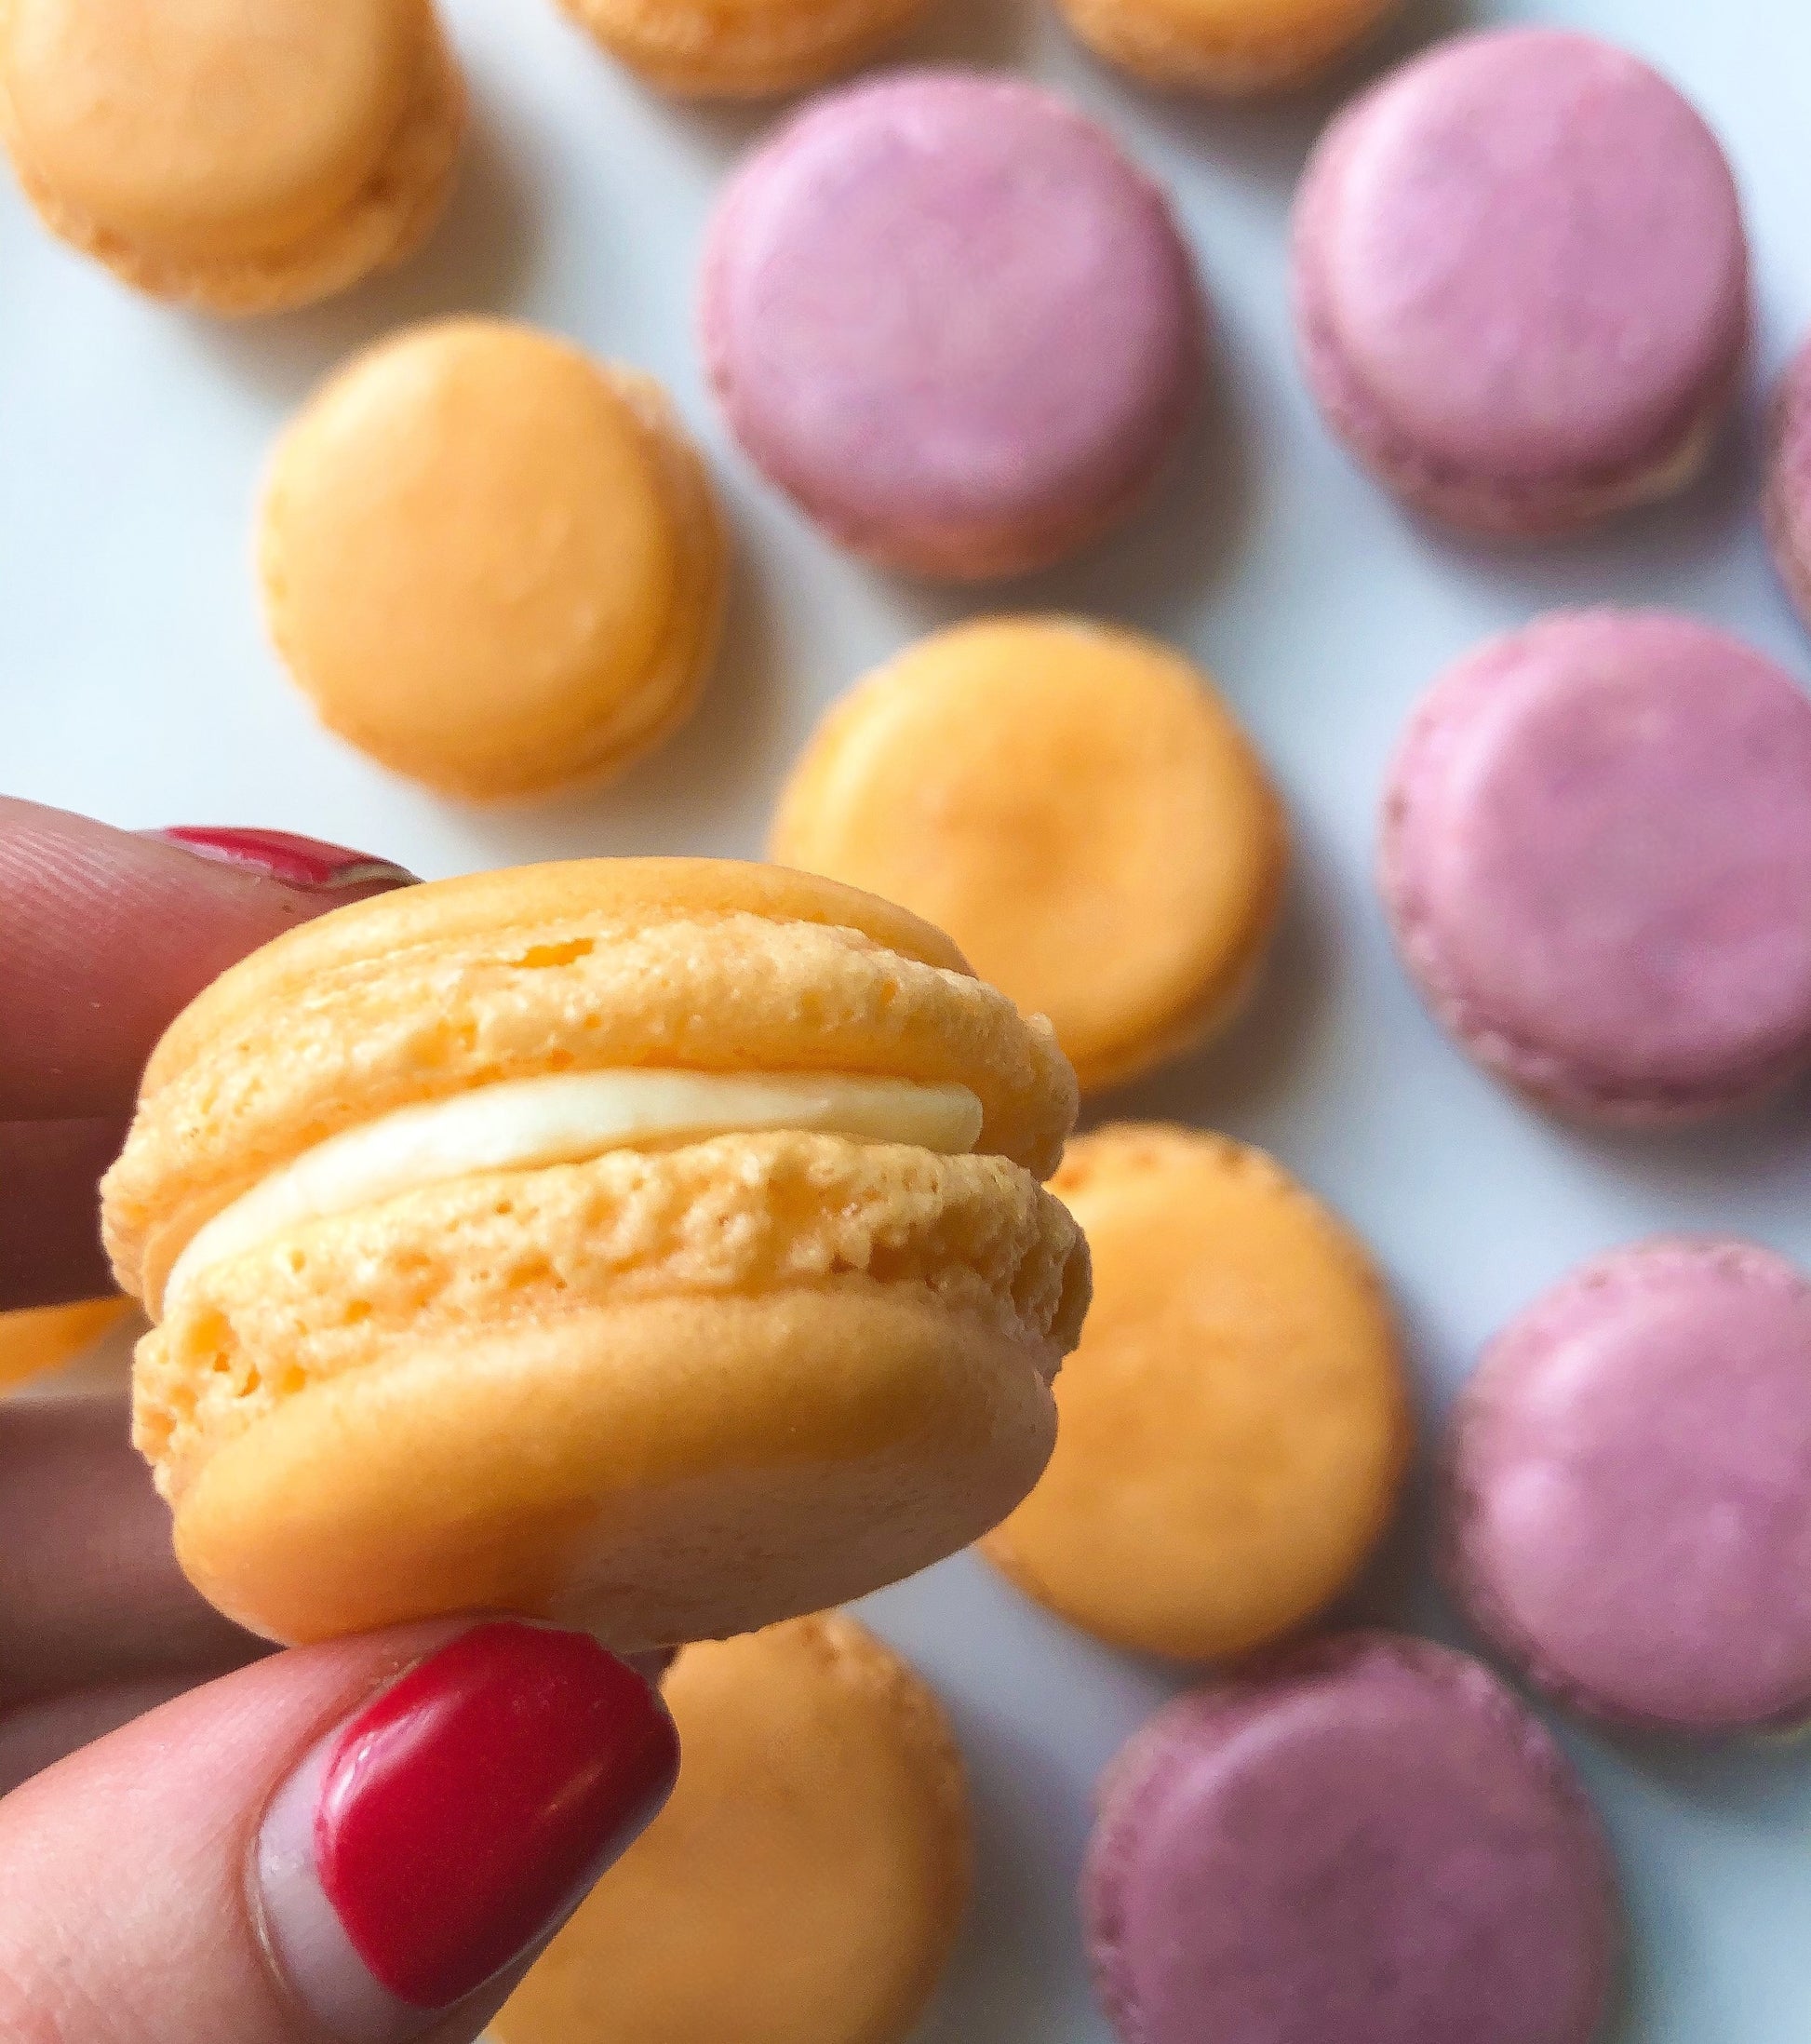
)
(44, 1339)
(1371, 1841)
(747, 49)
(240, 156)
(808, 1877)
(1522, 282)
(656, 1246)
(1226, 48)
(1079, 809)
(883, 285)
(1596, 856)
(1233, 1429)
(1627, 1504)
(1788, 502)
(492, 564)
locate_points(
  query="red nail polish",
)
(472, 1806)
(297, 862)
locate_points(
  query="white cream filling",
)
(523, 1125)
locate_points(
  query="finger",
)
(50, 1251)
(365, 1843)
(106, 935)
(38, 1735)
(90, 1589)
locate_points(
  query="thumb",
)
(360, 1843)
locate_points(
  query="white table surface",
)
(135, 684)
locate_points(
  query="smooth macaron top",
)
(805, 1881)
(1521, 270)
(1077, 806)
(207, 129)
(1370, 1841)
(1789, 482)
(488, 560)
(1235, 1424)
(598, 965)
(1628, 1490)
(1597, 856)
(946, 314)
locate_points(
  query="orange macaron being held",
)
(657, 1246)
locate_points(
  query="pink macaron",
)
(1788, 503)
(946, 316)
(1522, 282)
(1628, 1490)
(1368, 1841)
(1596, 858)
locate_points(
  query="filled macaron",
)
(1234, 1427)
(805, 1882)
(241, 156)
(946, 316)
(658, 1246)
(1078, 806)
(1627, 1500)
(1522, 282)
(1596, 857)
(1370, 1841)
(491, 563)
(43, 1338)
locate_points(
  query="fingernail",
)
(297, 862)
(455, 1823)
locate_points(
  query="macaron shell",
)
(1788, 503)
(805, 1881)
(1628, 1490)
(492, 564)
(1597, 859)
(742, 48)
(1077, 806)
(578, 966)
(880, 285)
(1230, 46)
(667, 1468)
(231, 185)
(1522, 280)
(1234, 1426)
(1370, 1841)
(44, 1339)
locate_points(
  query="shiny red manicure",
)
(455, 1822)
(297, 862)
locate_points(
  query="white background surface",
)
(135, 684)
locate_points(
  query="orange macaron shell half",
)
(653, 1246)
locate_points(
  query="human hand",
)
(361, 1842)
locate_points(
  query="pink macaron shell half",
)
(1596, 860)
(1788, 502)
(1626, 1508)
(1366, 1841)
(946, 316)
(1522, 282)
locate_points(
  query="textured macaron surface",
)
(596, 964)
(1371, 1841)
(1628, 1489)
(1597, 856)
(806, 1879)
(949, 316)
(1520, 266)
